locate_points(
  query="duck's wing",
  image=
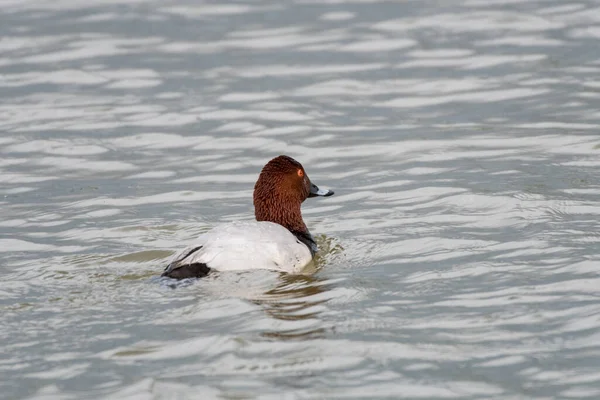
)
(241, 246)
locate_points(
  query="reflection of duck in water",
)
(278, 239)
(293, 300)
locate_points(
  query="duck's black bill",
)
(315, 191)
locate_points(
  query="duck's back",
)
(245, 245)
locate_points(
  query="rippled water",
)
(460, 254)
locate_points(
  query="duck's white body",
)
(246, 245)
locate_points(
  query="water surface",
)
(459, 256)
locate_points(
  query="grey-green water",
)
(460, 254)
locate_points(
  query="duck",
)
(277, 240)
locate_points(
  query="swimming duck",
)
(278, 240)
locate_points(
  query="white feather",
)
(247, 245)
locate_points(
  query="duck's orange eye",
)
(300, 173)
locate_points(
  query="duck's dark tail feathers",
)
(197, 270)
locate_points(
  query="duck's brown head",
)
(280, 190)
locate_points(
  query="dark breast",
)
(307, 239)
